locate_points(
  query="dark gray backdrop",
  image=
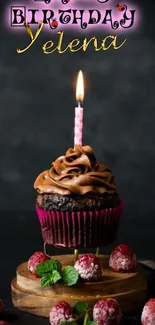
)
(37, 100)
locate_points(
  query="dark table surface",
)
(20, 237)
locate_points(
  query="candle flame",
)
(80, 87)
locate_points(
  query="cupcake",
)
(77, 202)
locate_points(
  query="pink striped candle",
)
(78, 125)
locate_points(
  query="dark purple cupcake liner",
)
(80, 229)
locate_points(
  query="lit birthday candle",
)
(78, 126)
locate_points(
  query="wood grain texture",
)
(129, 289)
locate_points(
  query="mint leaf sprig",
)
(50, 278)
(51, 272)
(48, 266)
(69, 276)
(81, 309)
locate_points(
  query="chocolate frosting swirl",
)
(76, 173)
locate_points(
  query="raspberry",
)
(107, 312)
(148, 313)
(35, 259)
(1, 305)
(89, 268)
(122, 259)
(61, 312)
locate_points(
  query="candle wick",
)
(79, 104)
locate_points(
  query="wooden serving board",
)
(129, 289)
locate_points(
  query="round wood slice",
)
(129, 289)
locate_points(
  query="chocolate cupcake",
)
(77, 202)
